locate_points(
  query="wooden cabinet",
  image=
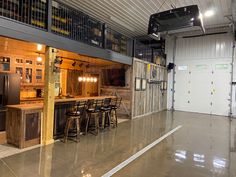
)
(31, 71)
(2, 126)
(5, 64)
(23, 127)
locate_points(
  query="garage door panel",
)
(204, 86)
(182, 86)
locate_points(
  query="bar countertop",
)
(57, 100)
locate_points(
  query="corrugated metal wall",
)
(206, 47)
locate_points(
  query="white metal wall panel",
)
(169, 51)
(207, 47)
(204, 86)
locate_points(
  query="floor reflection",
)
(204, 146)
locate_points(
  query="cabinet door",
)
(2, 120)
(39, 75)
(5, 64)
(28, 75)
(19, 70)
(32, 128)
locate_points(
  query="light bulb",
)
(88, 79)
(92, 79)
(80, 79)
(84, 79)
(95, 79)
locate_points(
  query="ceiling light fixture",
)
(209, 13)
(39, 58)
(73, 64)
(39, 47)
(87, 79)
(116, 20)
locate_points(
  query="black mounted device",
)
(174, 19)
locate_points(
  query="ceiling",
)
(131, 17)
(28, 50)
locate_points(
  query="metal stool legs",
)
(69, 123)
(96, 121)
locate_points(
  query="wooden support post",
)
(49, 96)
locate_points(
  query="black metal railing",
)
(67, 22)
(143, 52)
(117, 42)
(150, 54)
(32, 12)
(76, 25)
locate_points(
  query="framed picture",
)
(144, 84)
(138, 84)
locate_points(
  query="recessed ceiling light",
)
(209, 13)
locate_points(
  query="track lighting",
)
(73, 64)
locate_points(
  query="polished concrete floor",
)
(205, 146)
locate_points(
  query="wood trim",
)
(31, 143)
(3, 139)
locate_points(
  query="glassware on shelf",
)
(28, 76)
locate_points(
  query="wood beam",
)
(49, 96)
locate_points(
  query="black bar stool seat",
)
(73, 113)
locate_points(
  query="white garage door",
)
(203, 74)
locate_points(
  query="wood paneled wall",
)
(124, 92)
(153, 99)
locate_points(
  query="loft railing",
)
(76, 25)
(150, 54)
(65, 21)
(143, 52)
(117, 42)
(32, 12)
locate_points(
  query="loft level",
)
(66, 22)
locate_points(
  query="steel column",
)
(173, 83)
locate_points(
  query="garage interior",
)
(170, 62)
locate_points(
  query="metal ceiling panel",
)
(130, 17)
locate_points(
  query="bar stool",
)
(73, 120)
(93, 110)
(115, 104)
(106, 113)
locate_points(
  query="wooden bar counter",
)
(23, 123)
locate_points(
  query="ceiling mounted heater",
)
(175, 19)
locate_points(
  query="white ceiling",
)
(131, 17)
